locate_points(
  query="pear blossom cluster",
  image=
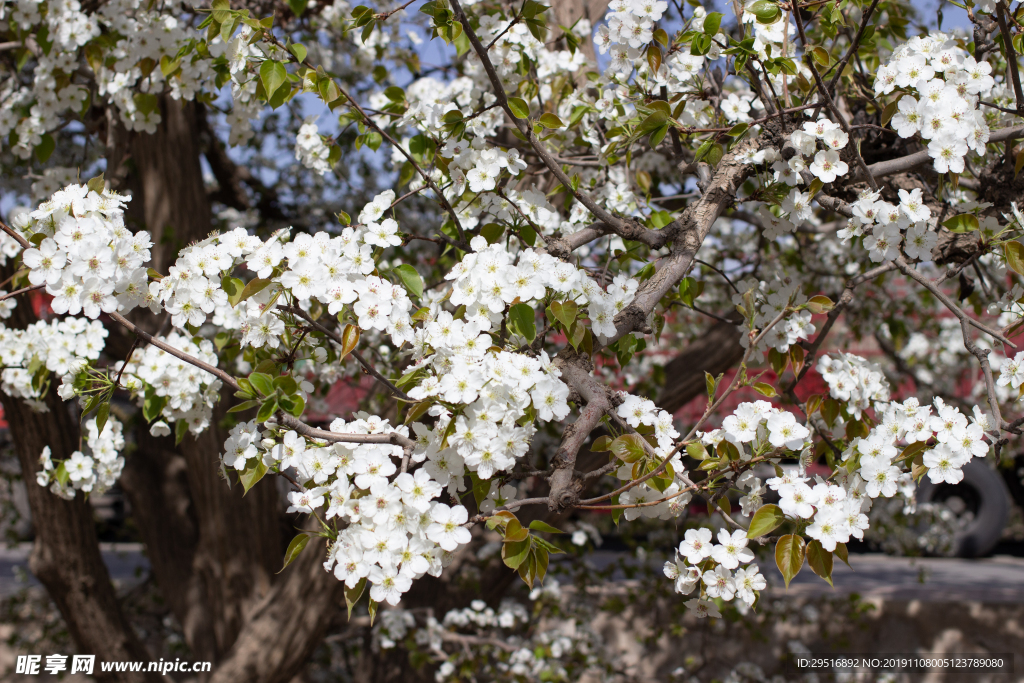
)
(93, 471)
(854, 380)
(310, 149)
(144, 33)
(487, 280)
(837, 509)
(720, 570)
(1011, 373)
(630, 26)
(88, 261)
(185, 391)
(941, 84)
(63, 347)
(394, 530)
(825, 163)
(886, 227)
(957, 439)
(766, 429)
(770, 298)
(497, 388)
(667, 502)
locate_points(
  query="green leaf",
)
(168, 66)
(61, 473)
(821, 56)
(102, 415)
(766, 11)
(273, 75)
(287, 384)
(738, 130)
(514, 530)
(712, 386)
(538, 525)
(703, 150)
(411, 279)
(521, 319)
(492, 232)
(658, 135)
(180, 429)
(242, 407)
(565, 312)
(819, 304)
(819, 560)
(353, 594)
(298, 49)
(628, 447)
(152, 406)
(765, 389)
(711, 23)
(842, 554)
(654, 57)
(789, 556)
(96, 184)
(252, 288)
(252, 475)
(267, 410)
(294, 549)
(601, 444)
(233, 287)
(300, 405)
(963, 222)
(765, 520)
(690, 289)
(889, 111)
(262, 382)
(372, 608)
(551, 121)
(1014, 253)
(45, 148)
(519, 108)
(651, 123)
(696, 450)
(514, 553)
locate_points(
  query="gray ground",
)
(998, 579)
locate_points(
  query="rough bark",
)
(66, 556)
(239, 537)
(213, 552)
(176, 208)
(287, 624)
(715, 352)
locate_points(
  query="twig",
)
(398, 393)
(1011, 55)
(22, 291)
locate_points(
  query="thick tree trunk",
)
(176, 208)
(213, 552)
(288, 623)
(66, 556)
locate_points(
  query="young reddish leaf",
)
(349, 340)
